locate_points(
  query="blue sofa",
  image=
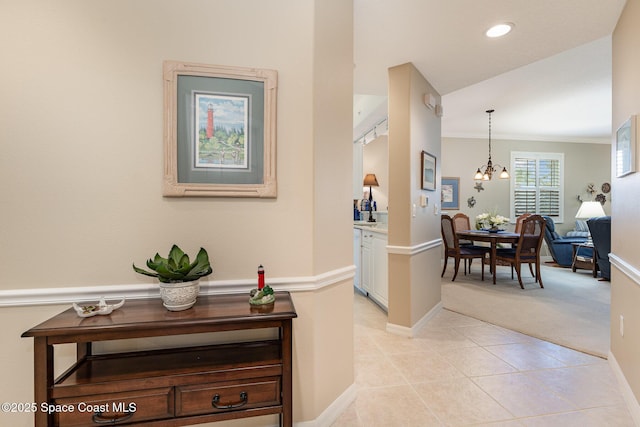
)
(560, 247)
(600, 228)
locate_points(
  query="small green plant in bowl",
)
(177, 267)
(179, 277)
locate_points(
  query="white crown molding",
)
(66, 295)
(605, 139)
(414, 250)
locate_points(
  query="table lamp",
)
(370, 180)
(590, 210)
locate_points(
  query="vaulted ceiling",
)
(549, 79)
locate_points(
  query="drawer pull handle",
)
(98, 418)
(215, 402)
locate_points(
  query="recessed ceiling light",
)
(499, 30)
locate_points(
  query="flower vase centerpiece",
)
(490, 221)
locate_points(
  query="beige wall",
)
(332, 219)
(414, 279)
(83, 102)
(81, 166)
(625, 279)
(584, 164)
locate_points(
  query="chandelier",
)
(489, 168)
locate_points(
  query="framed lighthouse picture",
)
(220, 126)
(219, 137)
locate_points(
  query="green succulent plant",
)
(177, 267)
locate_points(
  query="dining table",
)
(491, 237)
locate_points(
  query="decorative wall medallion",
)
(471, 201)
(606, 187)
(601, 198)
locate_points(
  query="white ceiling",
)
(549, 79)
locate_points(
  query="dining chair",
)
(453, 249)
(519, 221)
(527, 250)
(461, 222)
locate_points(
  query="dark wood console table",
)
(168, 387)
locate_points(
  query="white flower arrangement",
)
(490, 220)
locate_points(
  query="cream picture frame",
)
(219, 131)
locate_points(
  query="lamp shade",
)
(590, 210)
(370, 180)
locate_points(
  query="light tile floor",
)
(459, 371)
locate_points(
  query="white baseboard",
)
(625, 389)
(334, 410)
(411, 332)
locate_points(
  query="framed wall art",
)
(219, 131)
(450, 193)
(626, 147)
(428, 171)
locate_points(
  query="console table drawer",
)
(227, 396)
(126, 407)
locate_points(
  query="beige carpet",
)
(572, 310)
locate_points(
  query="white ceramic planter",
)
(179, 296)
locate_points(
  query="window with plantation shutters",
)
(537, 184)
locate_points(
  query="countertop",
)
(377, 227)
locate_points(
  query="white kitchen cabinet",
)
(357, 257)
(380, 280)
(373, 267)
(366, 272)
